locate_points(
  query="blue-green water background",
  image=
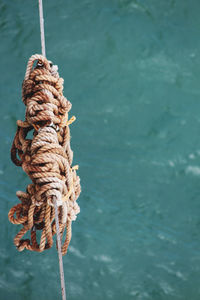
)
(132, 72)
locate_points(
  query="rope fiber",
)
(42, 148)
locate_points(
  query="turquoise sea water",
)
(132, 73)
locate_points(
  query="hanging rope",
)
(42, 36)
(49, 204)
(62, 280)
(46, 158)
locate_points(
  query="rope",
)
(49, 204)
(54, 199)
(62, 279)
(42, 27)
(46, 158)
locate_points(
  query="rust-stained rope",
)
(47, 159)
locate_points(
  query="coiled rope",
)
(46, 158)
(48, 206)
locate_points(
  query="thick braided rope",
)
(46, 158)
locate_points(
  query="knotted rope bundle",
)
(46, 158)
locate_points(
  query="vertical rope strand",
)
(42, 28)
(62, 279)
